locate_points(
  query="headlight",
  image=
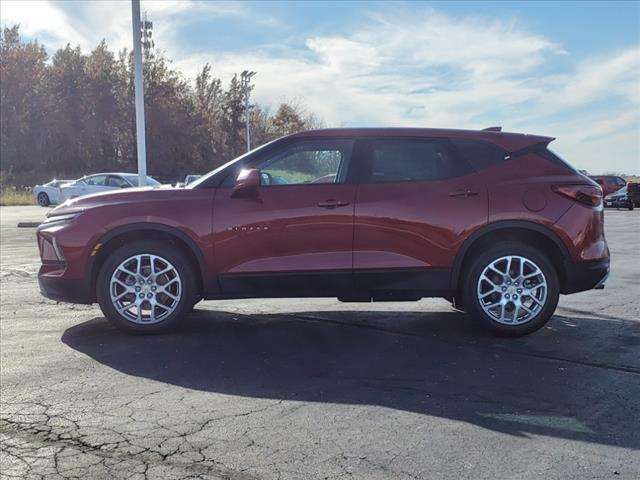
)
(55, 219)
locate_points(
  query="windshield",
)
(622, 191)
(133, 179)
(239, 159)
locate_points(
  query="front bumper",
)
(579, 277)
(65, 290)
(615, 203)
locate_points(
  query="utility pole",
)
(245, 82)
(139, 93)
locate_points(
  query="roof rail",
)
(492, 129)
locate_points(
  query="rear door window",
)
(410, 160)
(119, 182)
(480, 155)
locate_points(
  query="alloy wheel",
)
(512, 290)
(145, 289)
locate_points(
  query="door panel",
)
(295, 232)
(416, 224)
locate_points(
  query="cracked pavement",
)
(316, 389)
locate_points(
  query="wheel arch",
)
(529, 233)
(156, 231)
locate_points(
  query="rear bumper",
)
(64, 290)
(585, 276)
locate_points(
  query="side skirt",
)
(357, 286)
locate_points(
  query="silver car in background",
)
(101, 182)
(49, 193)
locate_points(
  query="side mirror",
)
(247, 183)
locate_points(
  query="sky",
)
(569, 70)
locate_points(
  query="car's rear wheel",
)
(512, 288)
(43, 199)
(146, 287)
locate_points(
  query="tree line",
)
(73, 114)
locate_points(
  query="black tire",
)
(472, 277)
(43, 199)
(188, 295)
(630, 205)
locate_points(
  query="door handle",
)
(332, 204)
(463, 193)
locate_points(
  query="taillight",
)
(587, 194)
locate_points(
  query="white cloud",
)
(618, 74)
(40, 19)
(86, 23)
(403, 65)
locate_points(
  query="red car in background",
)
(492, 221)
(609, 183)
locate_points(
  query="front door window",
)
(307, 163)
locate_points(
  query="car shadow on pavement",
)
(579, 378)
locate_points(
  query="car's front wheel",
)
(43, 199)
(512, 288)
(146, 287)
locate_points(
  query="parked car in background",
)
(101, 182)
(609, 183)
(619, 199)
(633, 192)
(494, 222)
(191, 178)
(49, 193)
(187, 180)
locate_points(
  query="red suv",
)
(609, 183)
(492, 221)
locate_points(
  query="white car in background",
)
(101, 182)
(49, 193)
(191, 178)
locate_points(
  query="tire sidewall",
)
(161, 249)
(506, 249)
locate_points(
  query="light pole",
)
(147, 31)
(245, 82)
(139, 93)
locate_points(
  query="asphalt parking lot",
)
(316, 389)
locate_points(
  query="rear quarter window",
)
(547, 154)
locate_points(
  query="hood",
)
(117, 197)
